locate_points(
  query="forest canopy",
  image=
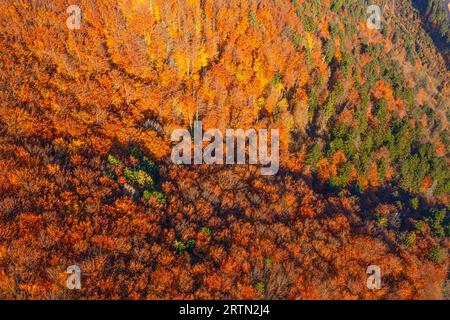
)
(86, 178)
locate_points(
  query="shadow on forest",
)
(439, 41)
(408, 206)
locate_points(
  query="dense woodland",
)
(435, 17)
(86, 178)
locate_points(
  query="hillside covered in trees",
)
(86, 178)
(435, 17)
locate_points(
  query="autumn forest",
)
(86, 177)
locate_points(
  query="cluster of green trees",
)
(435, 15)
(143, 175)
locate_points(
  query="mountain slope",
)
(86, 178)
